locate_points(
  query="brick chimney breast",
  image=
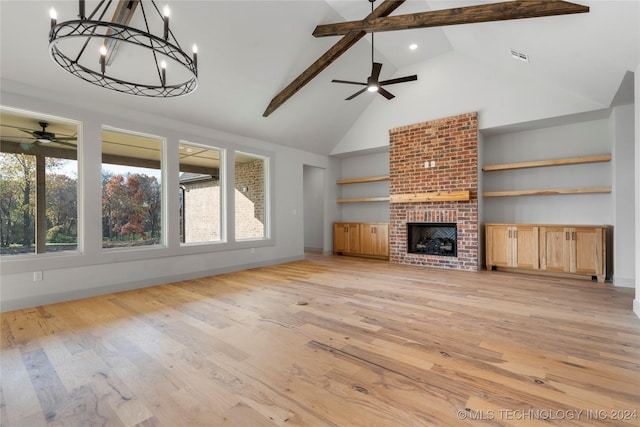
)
(437, 156)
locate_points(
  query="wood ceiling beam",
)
(350, 38)
(460, 15)
(122, 15)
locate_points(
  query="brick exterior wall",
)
(202, 211)
(250, 204)
(452, 143)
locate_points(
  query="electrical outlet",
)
(426, 164)
(37, 276)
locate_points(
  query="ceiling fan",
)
(373, 84)
(379, 20)
(44, 137)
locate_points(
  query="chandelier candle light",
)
(141, 55)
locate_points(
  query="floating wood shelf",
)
(363, 199)
(547, 192)
(440, 196)
(556, 162)
(361, 180)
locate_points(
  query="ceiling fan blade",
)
(356, 94)
(30, 132)
(399, 80)
(375, 71)
(57, 141)
(385, 93)
(460, 15)
(348, 82)
(65, 138)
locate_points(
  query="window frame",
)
(223, 194)
(79, 250)
(163, 240)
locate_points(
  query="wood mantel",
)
(438, 196)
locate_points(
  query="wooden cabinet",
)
(554, 248)
(346, 238)
(512, 246)
(579, 250)
(358, 238)
(374, 239)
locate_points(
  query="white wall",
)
(572, 140)
(95, 271)
(366, 165)
(636, 301)
(314, 183)
(622, 124)
(460, 85)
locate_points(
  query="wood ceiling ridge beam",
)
(350, 38)
(520, 9)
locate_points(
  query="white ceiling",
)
(250, 50)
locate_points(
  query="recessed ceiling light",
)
(413, 46)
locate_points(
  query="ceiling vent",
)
(519, 55)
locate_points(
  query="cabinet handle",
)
(515, 234)
(573, 235)
(509, 233)
(566, 235)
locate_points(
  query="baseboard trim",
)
(624, 282)
(52, 298)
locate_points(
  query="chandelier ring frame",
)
(120, 33)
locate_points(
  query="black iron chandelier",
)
(87, 48)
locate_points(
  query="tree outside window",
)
(131, 189)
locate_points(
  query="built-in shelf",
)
(363, 199)
(439, 196)
(547, 192)
(553, 162)
(361, 180)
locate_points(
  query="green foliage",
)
(57, 235)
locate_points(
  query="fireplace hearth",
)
(432, 238)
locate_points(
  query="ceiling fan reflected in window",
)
(373, 83)
(44, 137)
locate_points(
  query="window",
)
(131, 189)
(200, 194)
(250, 196)
(38, 183)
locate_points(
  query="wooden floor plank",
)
(377, 344)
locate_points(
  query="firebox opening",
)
(432, 238)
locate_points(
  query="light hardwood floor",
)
(376, 345)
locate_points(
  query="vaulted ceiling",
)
(250, 50)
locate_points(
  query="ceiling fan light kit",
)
(72, 45)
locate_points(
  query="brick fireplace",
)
(435, 157)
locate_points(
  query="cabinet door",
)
(353, 238)
(374, 239)
(339, 238)
(588, 251)
(526, 253)
(555, 249)
(367, 239)
(499, 246)
(346, 238)
(382, 240)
